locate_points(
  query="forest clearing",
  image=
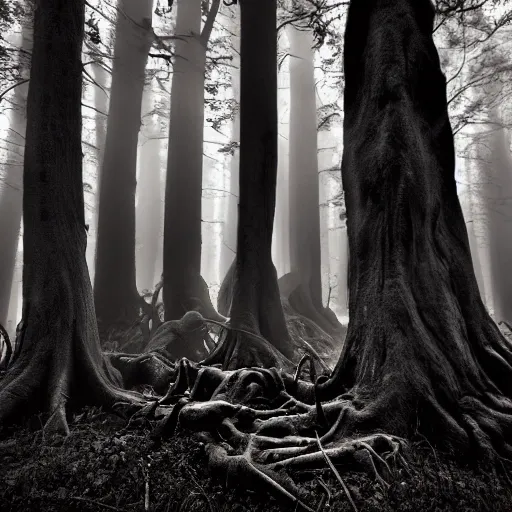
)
(340, 339)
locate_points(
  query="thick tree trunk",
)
(305, 256)
(421, 350)
(115, 290)
(255, 305)
(184, 288)
(149, 196)
(11, 189)
(59, 345)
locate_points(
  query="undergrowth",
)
(104, 466)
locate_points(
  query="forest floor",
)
(103, 465)
(107, 465)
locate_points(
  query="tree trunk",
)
(101, 101)
(184, 288)
(228, 253)
(149, 196)
(496, 164)
(305, 255)
(11, 189)
(421, 350)
(281, 235)
(115, 290)
(59, 346)
(255, 303)
(466, 201)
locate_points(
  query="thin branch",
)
(204, 38)
(21, 82)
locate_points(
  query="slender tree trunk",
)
(255, 303)
(228, 250)
(115, 290)
(305, 255)
(281, 235)
(496, 163)
(149, 196)
(59, 347)
(11, 188)
(184, 288)
(101, 101)
(468, 211)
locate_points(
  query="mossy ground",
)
(103, 466)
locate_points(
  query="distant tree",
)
(115, 290)
(58, 347)
(11, 182)
(184, 288)
(227, 253)
(305, 250)
(149, 193)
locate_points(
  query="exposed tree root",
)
(256, 431)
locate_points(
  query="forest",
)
(255, 255)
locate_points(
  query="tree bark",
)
(58, 345)
(115, 291)
(184, 288)
(305, 256)
(421, 351)
(255, 305)
(11, 190)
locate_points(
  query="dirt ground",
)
(103, 465)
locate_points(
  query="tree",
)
(115, 290)
(306, 298)
(184, 288)
(11, 186)
(149, 196)
(227, 254)
(255, 305)
(58, 347)
(495, 164)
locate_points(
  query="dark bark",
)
(255, 305)
(421, 349)
(184, 288)
(59, 344)
(115, 291)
